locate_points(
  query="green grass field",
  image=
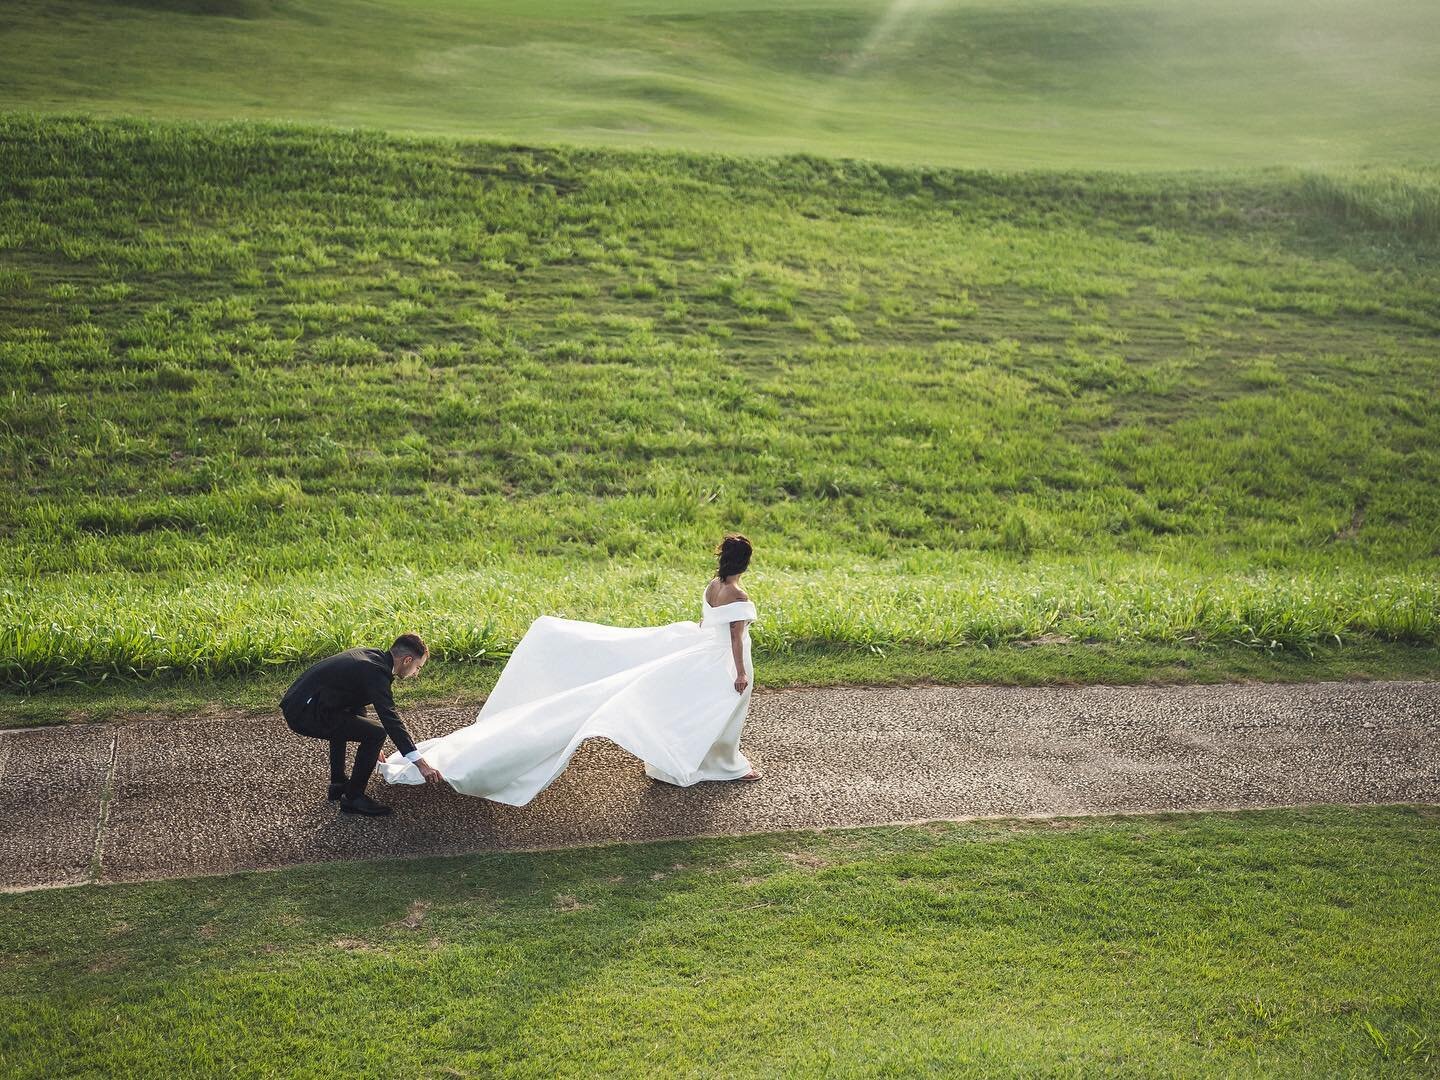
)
(274, 391)
(1288, 943)
(1018, 84)
(1031, 342)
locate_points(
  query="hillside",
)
(271, 390)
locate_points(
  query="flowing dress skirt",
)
(664, 693)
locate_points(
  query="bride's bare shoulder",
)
(718, 593)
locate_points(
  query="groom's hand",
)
(428, 771)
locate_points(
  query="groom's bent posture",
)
(328, 702)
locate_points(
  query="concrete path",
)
(173, 799)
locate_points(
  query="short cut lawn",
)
(1130, 84)
(1276, 943)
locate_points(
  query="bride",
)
(675, 696)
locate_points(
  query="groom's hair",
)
(409, 645)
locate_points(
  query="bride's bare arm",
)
(737, 646)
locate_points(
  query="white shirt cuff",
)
(413, 755)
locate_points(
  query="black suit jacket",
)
(343, 685)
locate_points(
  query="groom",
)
(328, 702)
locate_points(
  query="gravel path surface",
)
(174, 799)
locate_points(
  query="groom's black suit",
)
(328, 702)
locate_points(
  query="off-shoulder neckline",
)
(732, 603)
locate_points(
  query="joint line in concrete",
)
(98, 856)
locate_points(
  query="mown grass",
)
(1031, 84)
(1281, 943)
(274, 390)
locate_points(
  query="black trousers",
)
(339, 728)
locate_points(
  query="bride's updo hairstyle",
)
(734, 555)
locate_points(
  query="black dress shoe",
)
(336, 790)
(362, 804)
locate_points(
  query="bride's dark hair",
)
(734, 554)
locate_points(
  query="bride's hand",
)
(741, 683)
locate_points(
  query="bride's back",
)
(718, 593)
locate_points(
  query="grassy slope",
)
(1039, 83)
(274, 391)
(1275, 944)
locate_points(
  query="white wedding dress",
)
(664, 693)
